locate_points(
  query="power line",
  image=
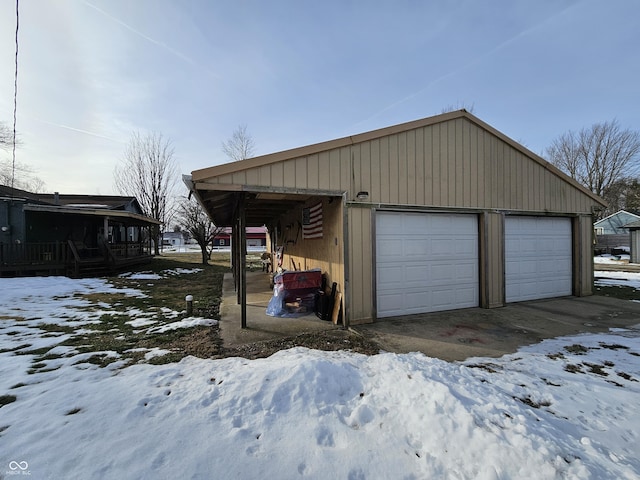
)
(15, 98)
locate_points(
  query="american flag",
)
(312, 221)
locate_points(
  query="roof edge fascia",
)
(616, 213)
(102, 212)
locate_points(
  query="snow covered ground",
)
(565, 408)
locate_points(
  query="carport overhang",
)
(240, 206)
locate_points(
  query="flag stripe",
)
(312, 221)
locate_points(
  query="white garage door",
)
(425, 262)
(537, 258)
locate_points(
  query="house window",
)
(599, 230)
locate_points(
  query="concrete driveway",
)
(461, 334)
(453, 335)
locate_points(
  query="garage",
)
(425, 262)
(538, 257)
(413, 217)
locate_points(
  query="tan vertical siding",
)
(252, 177)
(346, 172)
(423, 177)
(410, 174)
(289, 172)
(300, 165)
(360, 265)
(583, 251)
(323, 253)
(477, 186)
(457, 153)
(323, 171)
(492, 279)
(403, 167)
(450, 164)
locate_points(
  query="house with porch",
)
(74, 235)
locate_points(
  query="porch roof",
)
(122, 215)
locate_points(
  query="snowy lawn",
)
(566, 408)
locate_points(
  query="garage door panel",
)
(441, 275)
(466, 247)
(415, 276)
(416, 246)
(389, 225)
(386, 248)
(467, 297)
(538, 258)
(392, 275)
(434, 266)
(466, 272)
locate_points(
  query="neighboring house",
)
(612, 233)
(634, 234)
(70, 234)
(256, 238)
(436, 214)
(173, 239)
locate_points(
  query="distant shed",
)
(634, 229)
(436, 214)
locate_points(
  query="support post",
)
(235, 259)
(242, 224)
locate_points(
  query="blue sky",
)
(301, 72)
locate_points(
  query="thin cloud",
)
(166, 47)
(79, 130)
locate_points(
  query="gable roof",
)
(91, 205)
(618, 213)
(256, 162)
(17, 194)
(112, 202)
(219, 188)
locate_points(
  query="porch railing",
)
(33, 256)
(70, 257)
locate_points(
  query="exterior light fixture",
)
(362, 195)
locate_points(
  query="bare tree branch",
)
(598, 156)
(6, 136)
(195, 220)
(240, 146)
(458, 106)
(148, 172)
(22, 175)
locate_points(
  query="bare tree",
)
(458, 106)
(195, 220)
(240, 146)
(23, 177)
(148, 172)
(17, 174)
(624, 194)
(6, 136)
(598, 156)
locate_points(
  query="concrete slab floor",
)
(452, 336)
(260, 326)
(461, 334)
